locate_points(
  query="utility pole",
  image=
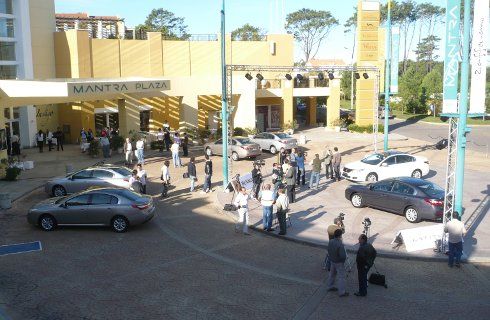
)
(387, 76)
(463, 110)
(224, 102)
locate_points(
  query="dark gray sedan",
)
(414, 198)
(115, 207)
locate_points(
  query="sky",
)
(203, 16)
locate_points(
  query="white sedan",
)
(391, 164)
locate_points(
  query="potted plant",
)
(338, 124)
(251, 132)
(11, 173)
(289, 127)
(93, 149)
(117, 144)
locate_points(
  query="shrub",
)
(239, 131)
(93, 149)
(155, 145)
(364, 129)
(250, 131)
(117, 142)
(11, 173)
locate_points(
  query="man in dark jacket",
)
(208, 171)
(337, 254)
(290, 177)
(185, 144)
(192, 173)
(364, 260)
(257, 180)
(60, 139)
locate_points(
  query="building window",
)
(6, 113)
(7, 51)
(6, 28)
(16, 113)
(6, 6)
(145, 120)
(8, 72)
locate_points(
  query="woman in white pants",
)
(128, 151)
(241, 202)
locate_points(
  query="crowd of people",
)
(49, 137)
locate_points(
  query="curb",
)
(441, 124)
(383, 253)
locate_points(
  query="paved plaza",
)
(188, 263)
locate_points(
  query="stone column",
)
(312, 111)
(28, 126)
(333, 102)
(287, 98)
(129, 117)
(189, 111)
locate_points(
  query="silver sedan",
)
(114, 207)
(275, 141)
(97, 176)
(241, 147)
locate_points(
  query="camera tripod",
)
(367, 229)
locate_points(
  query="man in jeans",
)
(267, 200)
(175, 154)
(456, 231)
(208, 171)
(336, 252)
(241, 202)
(140, 146)
(290, 176)
(315, 171)
(336, 160)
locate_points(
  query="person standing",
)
(327, 160)
(337, 225)
(160, 137)
(83, 136)
(142, 177)
(337, 255)
(208, 171)
(166, 126)
(185, 144)
(282, 205)
(315, 171)
(336, 160)
(241, 202)
(165, 177)
(14, 140)
(60, 139)
(267, 200)
(128, 152)
(300, 164)
(276, 178)
(175, 155)
(290, 177)
(257, 180)
(104, 141)
(135, 183)
(364, 261)
(89, 135)
(40, 140)
(140, 146)
(49, 138)
(456, 231)
(177, 137)
(191, 171)
(166, 138)
(282, 156)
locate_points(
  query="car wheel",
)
(356, 200)
(119, 224)
(372, 177)
(59, 191)
(412, 215)
(209, 152)
(417, 174)
(273, 150)
(234, 156)
(47, 222)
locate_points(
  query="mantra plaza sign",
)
(128, 86)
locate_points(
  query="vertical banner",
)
(451, 57)
(395, 52)
(478, 60)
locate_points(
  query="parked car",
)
(381, 113)
(118, 208)
(414, 198)
(241, 148)
(390, 164)
(96, 176)
(275, 141)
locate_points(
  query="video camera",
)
(366, 222)
(259, 163)
(341, 216)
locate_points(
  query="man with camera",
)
(241, 202)
(338, 224)
(257, 179)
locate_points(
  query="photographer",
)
(338, 224)
(257, 179)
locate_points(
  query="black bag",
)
(185, 175)
(378, 279)
(441, 144)
(230, 207)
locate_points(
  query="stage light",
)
(299, 77)
(321, 77)
(248, 76)
(358, 76)
(331, 76)
(260, 77)
(365, 75)
(288, 76)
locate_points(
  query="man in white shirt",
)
(282, 205)
(175, 154)
(140, 146)
(142, 177)
(165, 177)
(160, 137)
(456, 231)
(267, 200)
(241, 202)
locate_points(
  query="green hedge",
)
(364, 129)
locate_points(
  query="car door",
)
(387, 168)
(260, 140)
(102, 178)
(401, 195)
(377, 194)
(75, 210)
(79, 181)
(404, 165)
(102, 208)
(217, 147)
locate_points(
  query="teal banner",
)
(395, 52)
(451, 57)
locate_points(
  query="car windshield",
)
(373, 159)
(431, 189)
(244, 140)
(122, 171)
(283, 136)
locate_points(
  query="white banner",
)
(246, 181)
(420, 238)
(479, 48)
